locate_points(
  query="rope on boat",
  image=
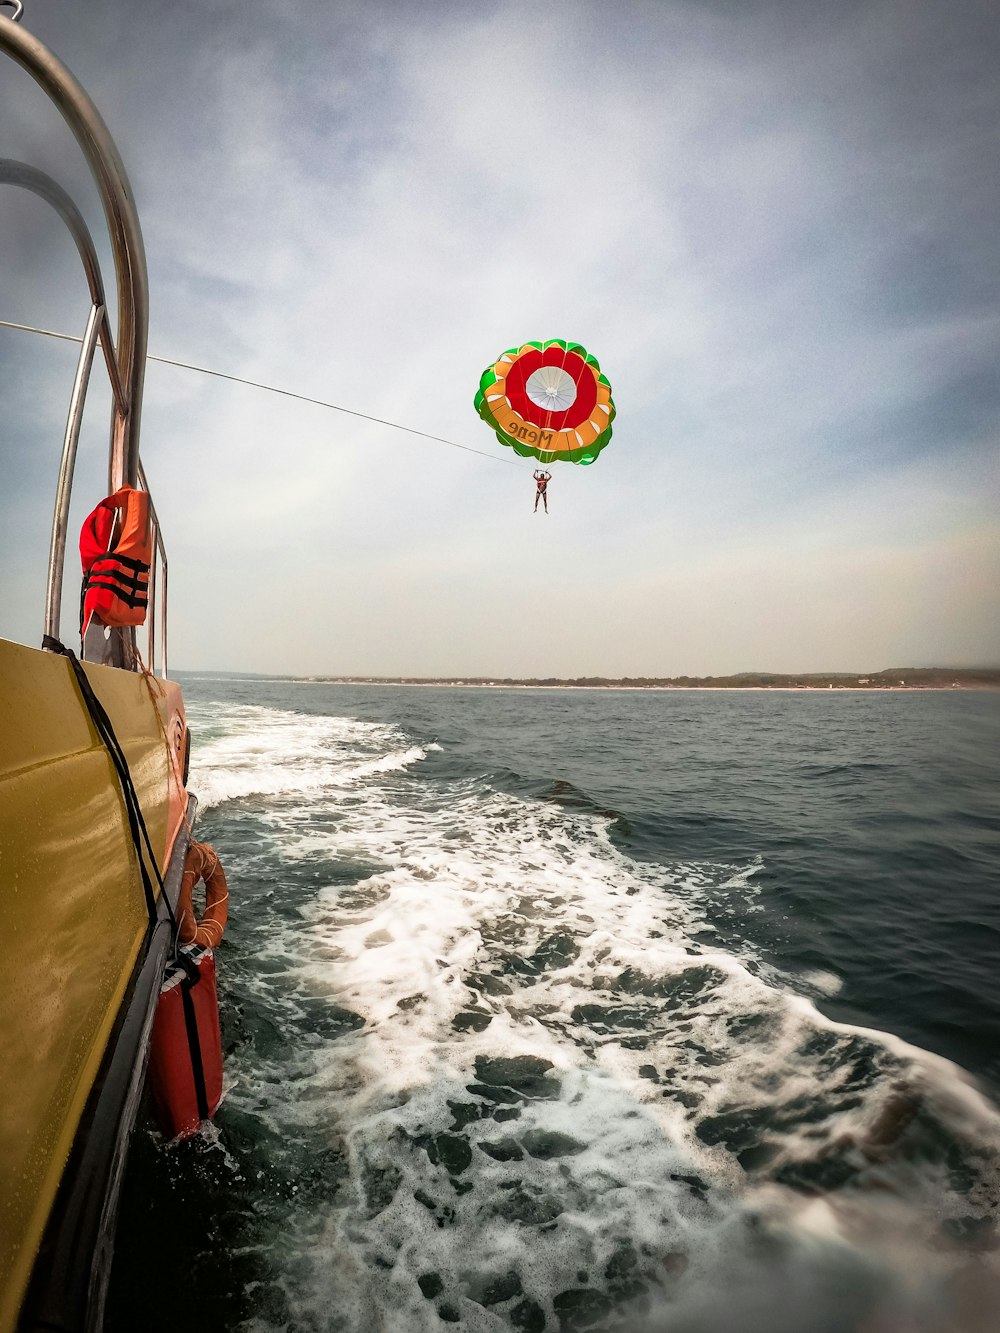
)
(130, 798)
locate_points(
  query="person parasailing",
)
(542, 479)
(549, 401)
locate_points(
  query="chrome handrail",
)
(157, 562)
(67, 466)
(126, 365)
(91, 133)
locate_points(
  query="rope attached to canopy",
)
(271, 388)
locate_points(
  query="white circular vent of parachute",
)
(551, 388)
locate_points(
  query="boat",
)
(95, 817)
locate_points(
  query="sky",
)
(774, 222)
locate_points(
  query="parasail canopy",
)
(548, 400)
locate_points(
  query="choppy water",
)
(558, 1010)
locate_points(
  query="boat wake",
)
(266, 752)
(509, 1084)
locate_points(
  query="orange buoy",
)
(185, 1057)
(202, 863)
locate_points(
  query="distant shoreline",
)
(639, 689)
(893, 680)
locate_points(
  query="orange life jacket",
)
(116, 576)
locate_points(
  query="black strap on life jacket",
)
(129, 584)
(130, 798)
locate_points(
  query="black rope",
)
(130, 799)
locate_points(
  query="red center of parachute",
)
(527, 364)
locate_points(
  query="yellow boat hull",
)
(73, 917)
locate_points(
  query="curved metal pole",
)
(38, 182)
(91, 133)
(30, 178)
(60, 513)
(98, 328)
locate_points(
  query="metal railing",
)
(125, 362)
(157, 566)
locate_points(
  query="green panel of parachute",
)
(586, 453)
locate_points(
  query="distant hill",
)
(916, 678)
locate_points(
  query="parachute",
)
(548, 400)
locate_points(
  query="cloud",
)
(367, 205)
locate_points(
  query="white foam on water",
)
(269, 752)
(558, 1095)
(824, 983)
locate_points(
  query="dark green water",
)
(559, 1009)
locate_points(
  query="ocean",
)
(589, 1009)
